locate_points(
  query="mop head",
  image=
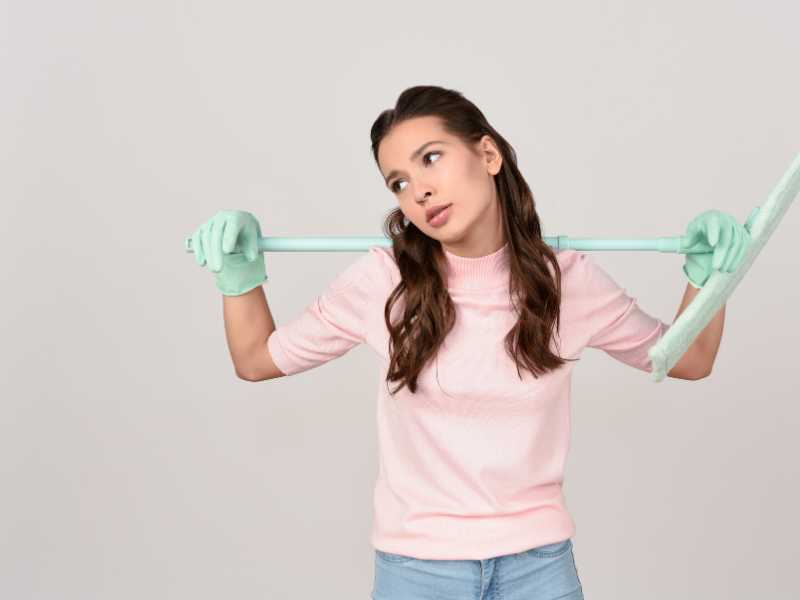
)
(718, 288)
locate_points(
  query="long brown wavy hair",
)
(429, 312)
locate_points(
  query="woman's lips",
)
(441, 218)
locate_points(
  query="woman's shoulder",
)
(578, 270)
(568, 256)
(570, 261)
(384, 265)
(373, 269)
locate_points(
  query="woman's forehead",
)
(399, 147)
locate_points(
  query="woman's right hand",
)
(721, 243)
(228, 244)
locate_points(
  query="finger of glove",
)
(197, 246)
(215, 246)
(690, 236)
(232, 229)
(711, 226)
(250, 241)
(205, 236)
(694, 239)
(733, 249)
(721, 233)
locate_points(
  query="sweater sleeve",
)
(617, 324)
(331, 325)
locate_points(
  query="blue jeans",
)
(544, 573)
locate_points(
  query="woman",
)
(479, 322)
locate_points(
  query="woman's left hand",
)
(714, 241)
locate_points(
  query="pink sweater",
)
(472, 465)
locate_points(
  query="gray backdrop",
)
(136, 465)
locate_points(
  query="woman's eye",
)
(427, 154)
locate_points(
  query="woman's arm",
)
(698, 360)
(248, 325)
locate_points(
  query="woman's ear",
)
(492, 155)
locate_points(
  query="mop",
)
(665, 353)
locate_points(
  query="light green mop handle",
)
(674, 343)
(359, 244)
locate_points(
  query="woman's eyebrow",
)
(416, 153)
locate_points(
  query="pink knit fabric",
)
(471, 466)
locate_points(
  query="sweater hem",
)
(472, 543)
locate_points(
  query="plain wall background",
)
(134, 462)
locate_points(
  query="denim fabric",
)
(544, 573)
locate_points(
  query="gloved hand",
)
(229, 243)
(722, 240)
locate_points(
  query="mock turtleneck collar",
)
(478, 273)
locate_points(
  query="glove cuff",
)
(692, 281)
(238, 275)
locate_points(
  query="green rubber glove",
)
(723, 243)
(228, 242)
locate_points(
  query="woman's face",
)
(421, 175)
